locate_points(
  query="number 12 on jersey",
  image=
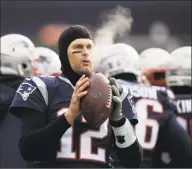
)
(85, 143)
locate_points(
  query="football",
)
(97, 105)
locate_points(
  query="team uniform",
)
(179, 80)
(79, 146)
(9, 85)
(10, 126)
(157, 125)
(184, 118)
(184, 112)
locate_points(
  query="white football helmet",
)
(118, 59)
(15, 44)
(179, 70)
(154, 62)
(49, 62)
(16, 63)
(10, 41)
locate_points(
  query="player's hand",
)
(116, 114)
(79, 92)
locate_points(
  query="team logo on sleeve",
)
(25, 89)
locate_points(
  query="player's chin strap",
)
(125, 135)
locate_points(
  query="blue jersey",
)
(10, 126)
(155, 111)
(184, 112)
(51, 96)
(184, 118)
(6, 96)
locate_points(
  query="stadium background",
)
(165, 24)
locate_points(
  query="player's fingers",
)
(113, 82)
(118, 101)
(80, 95)
(82, 77)
(110, 80)
(80, 83)
(83, 87)
(115, 91)
(115, 99)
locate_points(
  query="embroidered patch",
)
(25, 89)
(121, 139)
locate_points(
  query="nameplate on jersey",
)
(183, 105)
(25, 89)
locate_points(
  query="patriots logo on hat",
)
(25, 89)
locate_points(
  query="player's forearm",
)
(38, 144)
(128, 149)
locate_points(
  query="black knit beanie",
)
(68, 35)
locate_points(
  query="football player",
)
(56, 134)
(49, 62)
(178, 78)
(157, 122)
(16, 64)
(154, 62)
(12, 42)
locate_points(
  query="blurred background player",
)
(178, 78)
(49, 62)
(157, 122)
(16, 64)
(154, 62)
(12, 42)
(17, 53)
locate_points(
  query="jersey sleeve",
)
(167, 102)
(32, 93)
(128, 106)
(175, 136)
